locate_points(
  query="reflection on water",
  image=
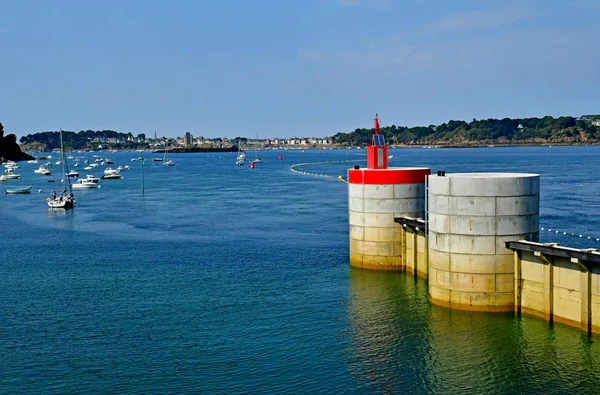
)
(58, 212)
(406, 344)
(61, 219)
(389, 318)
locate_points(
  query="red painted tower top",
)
(377, 157)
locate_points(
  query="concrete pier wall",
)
(414, 251)
(558, 288)
(375, 198)
(471, 215)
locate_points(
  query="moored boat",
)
(111, 177)
(84, 184)
(11, 175)
(91, 178)
(14, 191)
(66, 200)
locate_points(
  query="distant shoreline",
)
(196, 149)
(337, 147)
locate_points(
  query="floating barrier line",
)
(562, 233)
(293, 168)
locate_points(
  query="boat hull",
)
(86, 185)
(62, 203)
(16, 191)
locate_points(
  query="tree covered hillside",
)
(485, 131)
(9, 149)
(84, 139)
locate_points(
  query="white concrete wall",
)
(471, 216)
(375, 239)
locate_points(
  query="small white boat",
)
(88, 168)
(11, 175)
(41, 169)
(111, 177)
(2, 176)
(110, 171)
(84, 184)
(257, 159)
(241, 158)
(14, 191)
(91, 178)
(167, 162)
(73, 173)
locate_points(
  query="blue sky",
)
(283, 68)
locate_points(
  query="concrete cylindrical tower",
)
(375, 197)
(471, 216)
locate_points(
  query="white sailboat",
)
(241, 158)
(166, 162)
(256, 158)
(66, 200)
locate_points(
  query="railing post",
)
(518, 280)
(548, 285)
(586, 296)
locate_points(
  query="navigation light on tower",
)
(377, 157)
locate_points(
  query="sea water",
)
(226, 279)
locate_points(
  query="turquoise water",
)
(223, 279)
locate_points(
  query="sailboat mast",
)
(142, 156)
(65, 166)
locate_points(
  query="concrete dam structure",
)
(473, 237)
(471, 216)
(375, 198)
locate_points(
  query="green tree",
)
(9, 149)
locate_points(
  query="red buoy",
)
(280, 157)
(252, 165)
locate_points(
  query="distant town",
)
(189, 141)
(109, 139)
